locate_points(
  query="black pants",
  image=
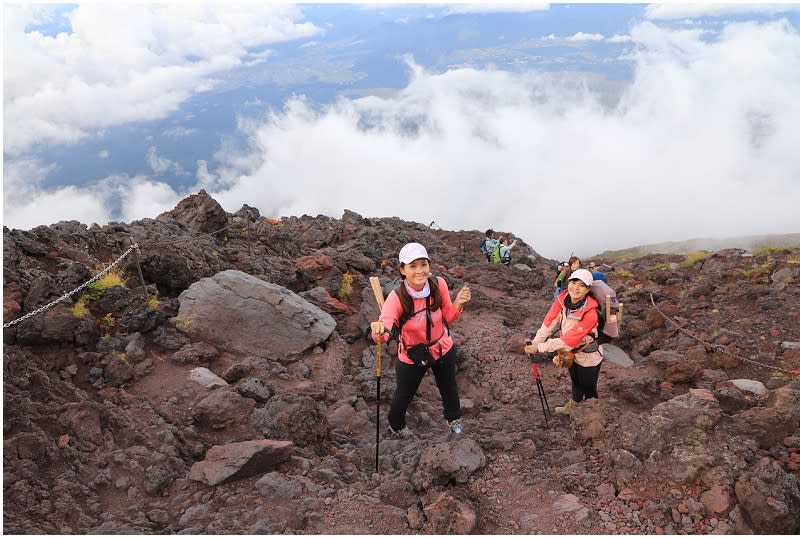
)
(584, 381)
(409, 376)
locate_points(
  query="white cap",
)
(411, 252)
(583, 275)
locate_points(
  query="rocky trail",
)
(236, 392)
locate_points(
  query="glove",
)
(530, 348)
(564, 358)
(538, 357)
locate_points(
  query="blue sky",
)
(678, 120)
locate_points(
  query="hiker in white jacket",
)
(505, 250)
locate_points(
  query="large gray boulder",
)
(240, 312)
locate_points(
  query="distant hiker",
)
(597, 275)
(488, 244)
(575, 312)
(418, 313)
(560, 283)
(503, 251)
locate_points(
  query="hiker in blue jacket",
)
(597, 275)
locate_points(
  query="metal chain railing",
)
(99, 275)
(719, 347)
(133, 247)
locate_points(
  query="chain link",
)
(719, 347)
(99, 275)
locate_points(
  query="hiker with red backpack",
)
(418, 313)
(575, 313)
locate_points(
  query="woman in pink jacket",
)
(575, 312)
(419, 312)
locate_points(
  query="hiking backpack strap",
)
(398, 329)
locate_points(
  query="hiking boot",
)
(403, 432)
(567, 408)
(456, 426)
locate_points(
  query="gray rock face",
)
(455, 460)
(770, 498)
(223, 408)
(292, 416)
(449, 515)
(199, 213)
(240, 312)
(235, 461)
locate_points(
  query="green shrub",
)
(115, 277)
(346, 287)
(770, 250)
(80, 308)
(692, 258)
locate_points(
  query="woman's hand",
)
(532, 348)
(464, 295)
(377, 329)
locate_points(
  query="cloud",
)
(27, 206)
(161, 165)
(104, 154)
(145, 198)
(704, 130)
(678, 10)
(581, 36)
(123, 63)
(616, 38)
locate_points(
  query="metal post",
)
(139, 268)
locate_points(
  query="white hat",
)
(583, 275)
(411, 252)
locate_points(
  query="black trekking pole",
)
(540, 388)
(378, 291)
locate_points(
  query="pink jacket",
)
(575, 330)
(413, 331)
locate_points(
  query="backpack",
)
(488, 244)
(496, 254)
(563, 266)
(609, 310)
(414, 352)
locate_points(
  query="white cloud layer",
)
(703, 143)
(679, 10)
(124, 63)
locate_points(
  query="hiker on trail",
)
(504, 251)
(418, 313)
(573, 264)
(488, 244)
(597, 275)
(575, 312)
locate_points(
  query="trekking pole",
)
(378, 291)
(539, 387)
